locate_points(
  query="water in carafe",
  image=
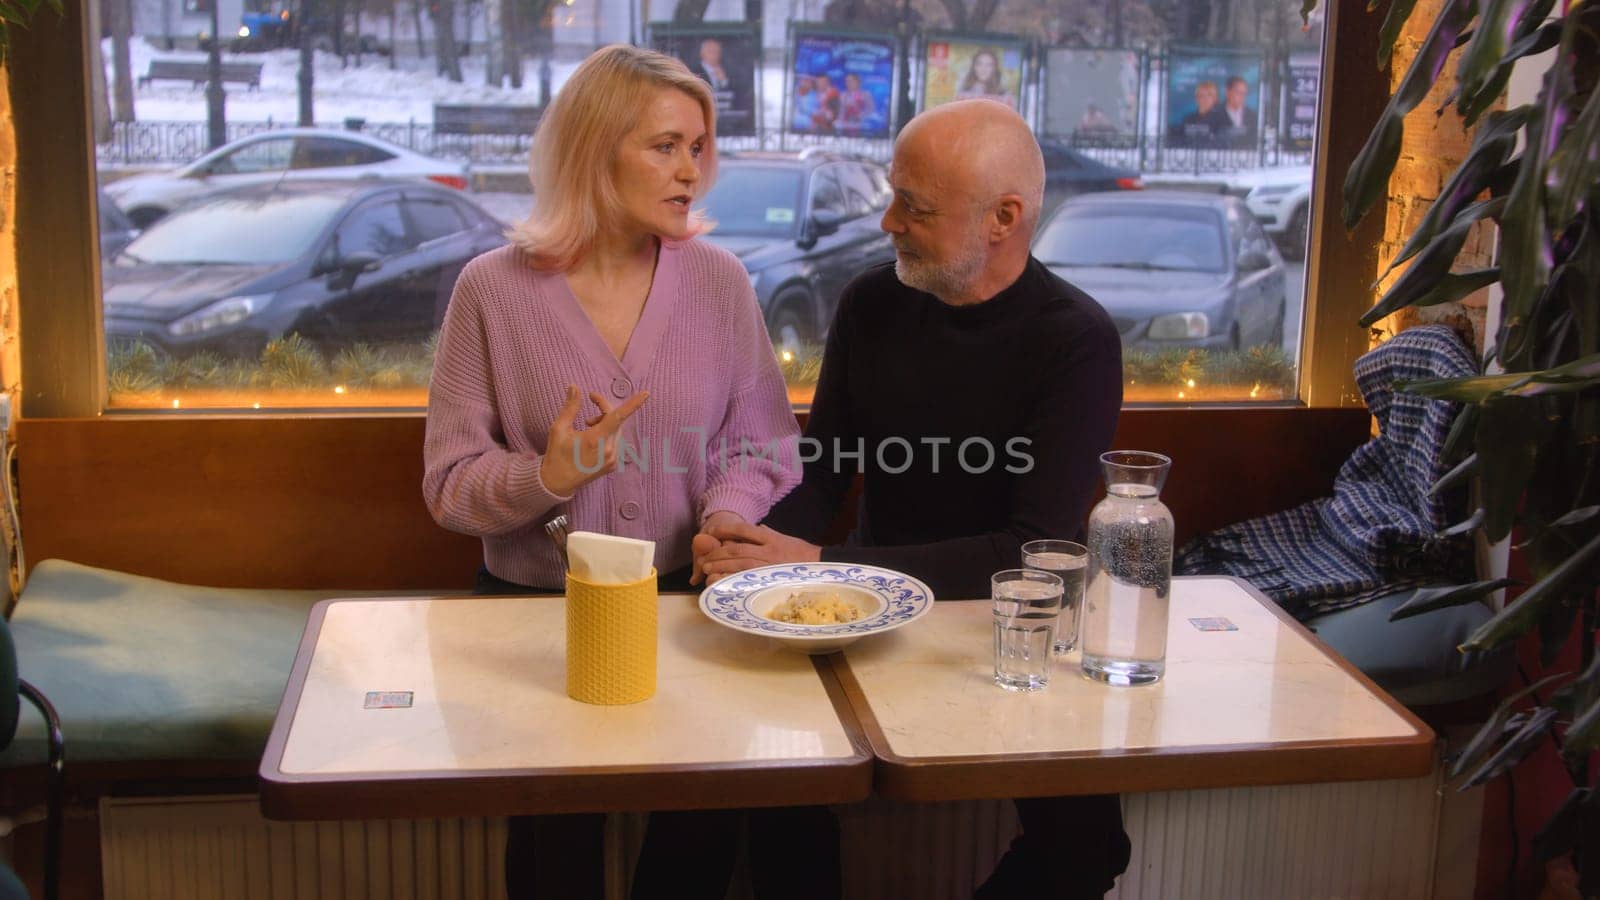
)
(1124, 631)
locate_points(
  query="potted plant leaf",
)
(1529, 430)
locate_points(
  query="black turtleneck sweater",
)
(1035, 373)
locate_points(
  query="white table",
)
(1266, 704)
(490, 730)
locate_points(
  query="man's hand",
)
(747, 546)
(595, 448)
(703, 543)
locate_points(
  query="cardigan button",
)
(629, 510)
(620, 388)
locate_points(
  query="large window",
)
(310, 268)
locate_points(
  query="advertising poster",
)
(958, 67)
(1300, 108)
(724, 55)
(1091, 94)
(842, 83)
(1213, 97)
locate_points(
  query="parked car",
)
(1069, 172)
(1280, 199)
(281, 155)
(116, 229)
(335, 261)
(1173, 268)
(803, 224)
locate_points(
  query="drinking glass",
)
(1026, 606)
(1068, 561)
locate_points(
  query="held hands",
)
(723, 549)
(574, 458)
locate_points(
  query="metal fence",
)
(171, 143)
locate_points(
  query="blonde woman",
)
(608, 366)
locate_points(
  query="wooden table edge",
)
(927, 779)
(445, 793)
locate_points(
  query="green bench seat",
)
(142, 670)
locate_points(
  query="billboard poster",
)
(724, 56)
(1300, 109)
(959, 67)
(1091, 94)
(1213, 97)
(842, 83)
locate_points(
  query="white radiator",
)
(1353, 840)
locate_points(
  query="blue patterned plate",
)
(887, 599)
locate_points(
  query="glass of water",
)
(1026, 605)
(1068, 561)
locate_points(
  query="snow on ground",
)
(373, 91)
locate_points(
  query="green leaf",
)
(1578, 375)
(1455, 476)
(1495, 727)
(1508, 447)
(1470, 524)
(1574, 167)
(1582, 514)
(1492, 144)
(1458, 442)
(1428, 279)
(1393, 22)
(1497, 19)
(1306, 8)
(1516, 749)
(1528, 35)
(1429, 599)
(1526, 255)
(1517, 617)
(1369, 173)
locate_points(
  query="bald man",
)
(974, 391)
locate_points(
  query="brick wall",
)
(1434, 145)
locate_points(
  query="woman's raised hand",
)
(574, 458)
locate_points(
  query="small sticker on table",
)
(1215, 623)
(388, 700)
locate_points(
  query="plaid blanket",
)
(1377, 534)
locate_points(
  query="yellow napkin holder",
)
(611, 641)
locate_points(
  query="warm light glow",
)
(788, 357)
(174, 404)
(256, 406)
(1191, 382)
(339, 389)
(1256, 389)
(1180, 395)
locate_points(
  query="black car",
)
(1173, 268)
(337, 262)
(1069, 172)
(803, 224)
(116, 229)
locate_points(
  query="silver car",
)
(288, 153)
(1173, 268)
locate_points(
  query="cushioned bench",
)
(141, 669)
(1415, 659)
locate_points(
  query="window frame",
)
(58, 280)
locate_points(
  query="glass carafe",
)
(1124, 631)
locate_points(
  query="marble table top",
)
(735, 721)
(1266, 703)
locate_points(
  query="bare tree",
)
(121, 15)
(444, 39)
(97, 79)
(494, 48)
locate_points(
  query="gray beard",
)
(946, 282)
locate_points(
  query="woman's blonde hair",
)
(573, 161)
